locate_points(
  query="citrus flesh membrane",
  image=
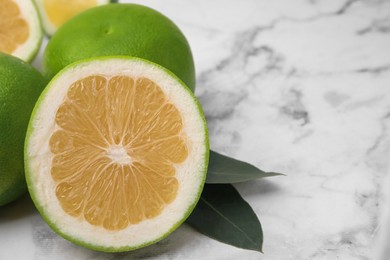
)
(20, 86)
(121, 29)
(116, 153)
(129, 162)
(20, 32)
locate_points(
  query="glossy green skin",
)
(20, 87)
(121, 29)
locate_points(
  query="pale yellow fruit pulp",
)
(59, 11)
(14, 29)
(114, 151)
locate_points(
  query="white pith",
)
(48, 26)
(189, 174)
(30, 14)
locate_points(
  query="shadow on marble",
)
(50, 245)
(257, 187)
(18, 209)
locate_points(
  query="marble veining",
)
(300, 87)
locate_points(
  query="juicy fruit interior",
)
(59, 11)
(14, 30)
(115, 147)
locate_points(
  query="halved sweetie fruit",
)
(20, 29)
(116, 153)
(55, 13)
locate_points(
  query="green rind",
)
(121, 29)
(34, 49)
(28, 171)
(17, 189)
(20, 87)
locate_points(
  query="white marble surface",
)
(300, 87)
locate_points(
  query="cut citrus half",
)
(54, 13)
(116, 153)
(20, 29)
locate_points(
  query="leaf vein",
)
(228, 220)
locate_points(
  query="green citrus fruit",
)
(20, 29)
(116, 153)
(20, 86)
(55, 13)
(121, 29)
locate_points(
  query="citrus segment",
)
(93, 141)
(118, 155)
(13, 27)
(56, 12)
(20, 32)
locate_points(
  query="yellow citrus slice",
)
(116, 153)
(54, 13)
(20, 29)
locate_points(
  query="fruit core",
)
(117, 143)
(14, 30)
(118, 154)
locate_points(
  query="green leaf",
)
(223, 169)
(224, 215)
